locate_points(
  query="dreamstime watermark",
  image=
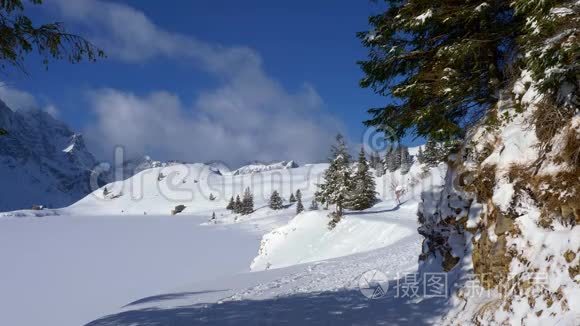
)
(181, 183)
(379, 139)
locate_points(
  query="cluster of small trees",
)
(346, 187)
(276, 202)
(243, 206)
(435, 152)
(397, 158)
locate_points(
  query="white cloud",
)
(52, 110)
(129, 35)
(249, 117)
(235, 128)
(17, 99)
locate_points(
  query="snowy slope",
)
(321, 293)
(120, 245)
(306, 238)
(159, 190)
(42, 161)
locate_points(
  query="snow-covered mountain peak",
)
(42, 159)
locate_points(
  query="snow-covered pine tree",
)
(420, 156)
(392, 160)
(276, 201)
(550, 44)
(298, 194)
(397, 157)
(211, 197)
(406, 160)
(231, 204)
(292, 199)
(247, 202)
(238, 205)
(388, 161)
(299, 205)
(374, 160)
(431, 155)
(313, 205)
(337, 186)
(380, 168)
(363, 193)
(441, 62)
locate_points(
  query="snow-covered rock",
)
(505, 225)
(134, 166)
(260, 167)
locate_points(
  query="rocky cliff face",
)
(506, 225)
(42, 162)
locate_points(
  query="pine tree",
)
(211, 197)
(374, 160)
(292, 199)
(363, 193)
(392, 160)
(420, 156)
(337, 184)
(276, 201)
(439, 62)
(371, 160)
(550, 43)
(231, 204)
(299, 206)
(380, 168)
(388, 161)
(431, 155)
(213, 218)
(22, 35)
(397, 157)
(313, 205)
(247, 202)
(406, 161)
(237, 205)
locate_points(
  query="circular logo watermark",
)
(379, 139)
(373, 284)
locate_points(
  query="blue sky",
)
(306, 55)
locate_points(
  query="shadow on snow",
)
(344, 307)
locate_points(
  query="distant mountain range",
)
(42, 161)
